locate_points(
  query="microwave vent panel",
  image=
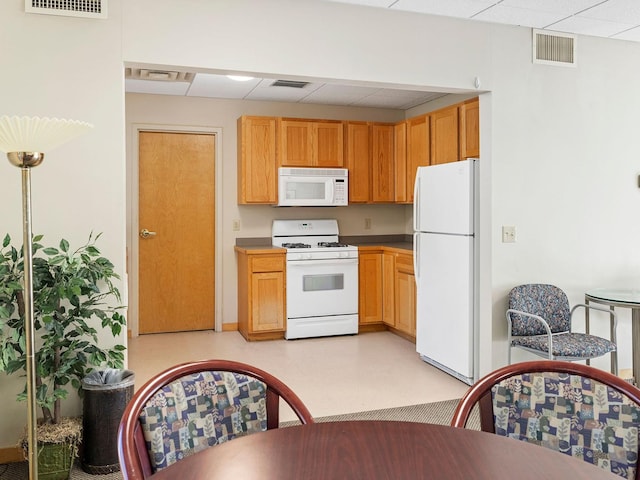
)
(68, 8)
(554, 49)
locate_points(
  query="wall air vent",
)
(158, 75)
(68, 8)
(289, 83)
(554, 48)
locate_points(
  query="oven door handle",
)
(334, 261)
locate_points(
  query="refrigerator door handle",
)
(416, 262)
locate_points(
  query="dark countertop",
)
(400, 242)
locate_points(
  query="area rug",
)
(437, 412)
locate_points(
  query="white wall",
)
(558, 145)
(565, 172)
(70, 68)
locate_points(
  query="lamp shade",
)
(37, 134)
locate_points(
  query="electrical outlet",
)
(236, 226)
(367, 224)
(508, 234)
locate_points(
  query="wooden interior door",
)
(176, 203)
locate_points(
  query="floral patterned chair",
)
(574, 409)
(194, 406)
(539, 321)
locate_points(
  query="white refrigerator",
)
(444, 223)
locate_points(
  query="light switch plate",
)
(508, 234)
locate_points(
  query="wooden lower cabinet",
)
(370, 287)
(261, 294)
(405, 295)
(387, 290)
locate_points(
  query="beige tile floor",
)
(332, 375)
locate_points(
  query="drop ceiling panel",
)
(631, 35)
(155, 87)
(452, 8)
(567, 7)
(590, 26)
(396, 99)
(616, 11)
(520, 16)
(344, 94)
(265, 91)
(219, 86)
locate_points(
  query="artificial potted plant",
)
(74, 296)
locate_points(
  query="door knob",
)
(144, 233)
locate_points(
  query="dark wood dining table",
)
(376, 450)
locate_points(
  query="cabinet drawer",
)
(267, 264)
(404, 263)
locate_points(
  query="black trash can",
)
(106, 394)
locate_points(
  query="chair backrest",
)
(546, 301)
(572, 408)
(196, 405)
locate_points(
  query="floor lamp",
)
(25, 139)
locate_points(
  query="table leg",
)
(635, 343)
(612, 336)
(586, 321)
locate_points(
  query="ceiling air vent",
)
(159, 75)
(68, 8)
(289, 83)
(554, 48)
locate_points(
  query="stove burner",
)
(296, 245)
(332, 244)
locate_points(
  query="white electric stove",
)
(322, 278)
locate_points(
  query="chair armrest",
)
(613, 313)
(530, 315)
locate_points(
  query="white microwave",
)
(313, 187)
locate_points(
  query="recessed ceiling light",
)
(239, 78)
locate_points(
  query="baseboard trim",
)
(11, 455)
(230, 327)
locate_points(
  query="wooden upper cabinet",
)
(257, 168)
(382, 163)
(295, 147)
(310, 143)
(400, 162)
(328, 142)
(358, 154)
(418, 150)
(444, 135)
(470, 129)
(369, 153)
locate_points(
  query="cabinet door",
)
(400, 162)
(370, 287)
(267, 301)
(382, 166)
(296, 142)
(328, 144)
(358, 161)
(470, 129)
(444, 135)
(417, 149)
(389, 288)
(257, 168)
(405, 295)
